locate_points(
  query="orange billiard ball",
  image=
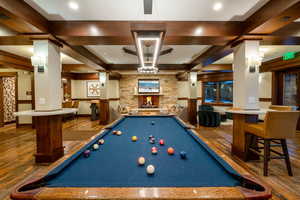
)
(171, 151)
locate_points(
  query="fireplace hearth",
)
(148, 101)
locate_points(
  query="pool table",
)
(112, 171)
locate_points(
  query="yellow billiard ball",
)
(134, 138)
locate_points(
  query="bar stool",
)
(277, 127)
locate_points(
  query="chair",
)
(207, 116)
(76, 105)
(277, 127)
(281, 108)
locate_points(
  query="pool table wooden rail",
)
(138, 193)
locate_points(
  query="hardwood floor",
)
(17, 147)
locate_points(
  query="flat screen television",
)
(148, 86)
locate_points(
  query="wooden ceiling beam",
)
(22, 18)
(217, 67)
(10, 60)
(272, 16)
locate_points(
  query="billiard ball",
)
(154, 150)
(119, 133)
(183, 154)
(115, 132)
(152, 123)
(86, 153)
(141, 161)
(101, 141)
(134, 138)
(161, 142)
(150, 169)
(152, 141)
(96, 146)
(171, 151)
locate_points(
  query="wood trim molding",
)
(24, 101)
(215, 77)
(182, 98)
(218, 104)
(265, 99)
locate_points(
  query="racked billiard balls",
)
(171, 151)
(183, 154)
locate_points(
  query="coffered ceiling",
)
(200, 32)
(171, 10)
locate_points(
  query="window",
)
(218, 92)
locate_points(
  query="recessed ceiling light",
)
(217, 6)
(73, 5)
(198, 31)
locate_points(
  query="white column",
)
(245, 75)
(47, 79)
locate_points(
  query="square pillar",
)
(47, 76)
(246, 74)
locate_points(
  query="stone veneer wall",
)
(168, 83)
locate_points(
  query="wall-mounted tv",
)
(148, 86)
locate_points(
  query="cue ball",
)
(183, 154)
(101, 141)
(171, 151)
(150, 169)
(141, 160)
(95, 146)
(134, 138)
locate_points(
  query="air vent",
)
(3, 16)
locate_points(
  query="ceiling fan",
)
(148, 7)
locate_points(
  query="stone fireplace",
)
(148, 101)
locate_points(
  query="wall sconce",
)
(39, 62)
(102, 78)
(253, 62)
(193, 78)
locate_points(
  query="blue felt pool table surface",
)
(114, 164)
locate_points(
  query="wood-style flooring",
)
(17, 147)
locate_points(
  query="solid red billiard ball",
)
(161, 142)
(171, 151)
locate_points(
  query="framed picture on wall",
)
(93, 88)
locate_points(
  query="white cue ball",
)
(96, 146)
(119, 132)
(150, 169)
(141, 160)
(101, 141)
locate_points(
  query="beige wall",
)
(168, 83)
(79, 91)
